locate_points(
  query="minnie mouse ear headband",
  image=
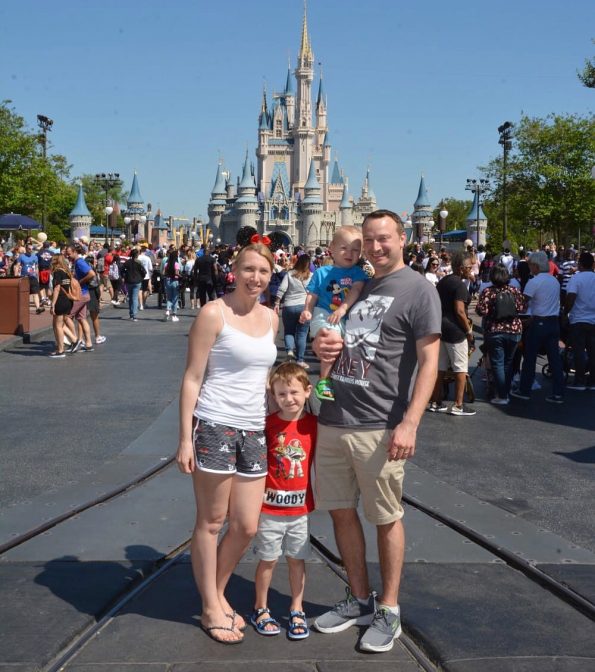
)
(257, 238)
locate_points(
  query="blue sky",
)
(166, 87)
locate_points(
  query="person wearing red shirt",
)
(283, 526)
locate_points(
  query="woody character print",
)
(292, 452)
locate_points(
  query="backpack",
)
(504, 306)
(113, 272)
(75, 293)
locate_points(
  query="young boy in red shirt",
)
(284, 526)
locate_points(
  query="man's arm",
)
(570, 299)
(402, 442)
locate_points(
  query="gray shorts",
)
(220, 449)
(282, 535)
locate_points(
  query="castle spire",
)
(288, 82)
(305, 53)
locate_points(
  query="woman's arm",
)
(201, 338)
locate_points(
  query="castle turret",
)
(289, 98)
(135, 213)
(367, 201)
(80, 218)
(422, 215)
(346, 208)
(311, 209)
(303, 131)
(217, 203)
(246, 204)
(477, 222)
(321, 126)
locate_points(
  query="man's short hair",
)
(458, 259)
(379, 214)
(540, 259)
(586, 260)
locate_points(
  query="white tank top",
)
(233, 392)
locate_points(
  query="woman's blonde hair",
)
(59, 261)
(259, 248)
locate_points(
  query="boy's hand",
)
(305, 316)
(337, 315)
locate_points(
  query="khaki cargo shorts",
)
(354, 463)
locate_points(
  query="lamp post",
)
(478, 187)
(442, 223)
(107, 181)
(136, 220)
(108, 211)
(45, 125)
(505, 131)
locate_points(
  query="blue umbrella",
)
(14, 222)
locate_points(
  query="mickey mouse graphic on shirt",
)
(338, 294)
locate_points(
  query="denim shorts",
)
(220, 449)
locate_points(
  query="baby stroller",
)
(566, 353)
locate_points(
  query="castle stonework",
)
(292, 190)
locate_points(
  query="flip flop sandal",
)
(233, 621)
(261, 624)
(210, 633)
(324, 391)
(294, 626)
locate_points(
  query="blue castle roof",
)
(134, 196)
(321, 97)
(472, 216)
(312, 182)
(219, 187)
(289, 83)
(80, 207)
(422, 195)
(336, 174)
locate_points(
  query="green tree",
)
(587, 74)
(550, 192)
(457, 213)
(26, 178)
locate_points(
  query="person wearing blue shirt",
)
(332, 291)
(83, 273)
(29, 269)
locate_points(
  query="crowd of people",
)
(389, 327)
(536, 302)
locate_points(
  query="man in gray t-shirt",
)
(367, 433)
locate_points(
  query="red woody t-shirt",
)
(290, 450)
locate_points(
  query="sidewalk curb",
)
(34, 336)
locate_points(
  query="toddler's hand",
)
(337, 315)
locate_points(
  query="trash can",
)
(14, 307)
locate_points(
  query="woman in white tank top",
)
(231, 348)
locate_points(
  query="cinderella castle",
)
(293, 191)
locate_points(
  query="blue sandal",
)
(294, 625)
(261, 624)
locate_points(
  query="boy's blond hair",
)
(286, 372)
(346, 232)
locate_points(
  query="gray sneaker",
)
(381, 635)
(346, 613)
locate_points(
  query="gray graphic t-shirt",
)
(373, 374)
